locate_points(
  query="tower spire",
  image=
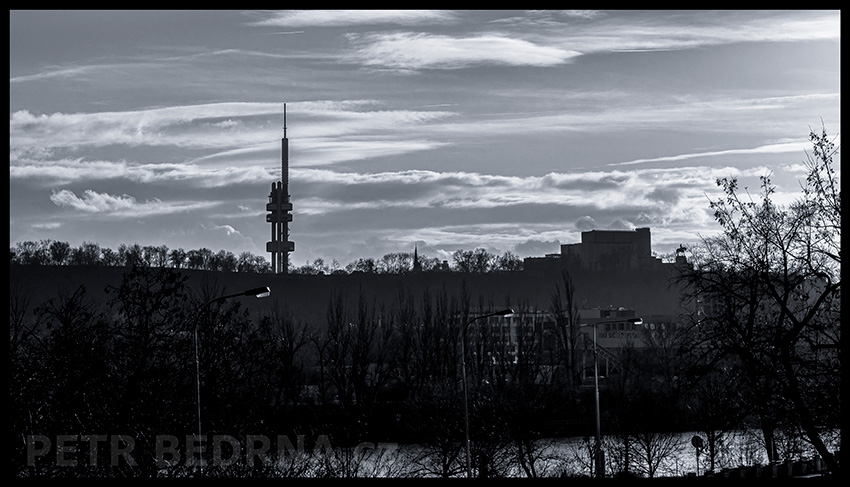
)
(279, 208)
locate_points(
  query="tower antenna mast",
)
(279, 208)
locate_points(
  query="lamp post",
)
(503, 312)
(598, 453)
(259, 292)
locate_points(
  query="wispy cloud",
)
(797, 147)
(239, 126)
(451, 210)
(558, 40)
(409, 51)
(142, 68)
(583, 14)
(66, 171)
(47, 225)
(229, 230)
(237, 138)
(330, 18)
(141, 127)
(68, 72)
(644, 32)
(326, 190)
(121, 205)
(206, 126)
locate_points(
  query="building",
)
(603, 250)
(279, 208)
(499, 338)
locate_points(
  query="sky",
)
(440, 130)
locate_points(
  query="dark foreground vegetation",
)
(104, 383)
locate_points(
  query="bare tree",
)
(642, 413)
(366, 265)
(565, 311)
(354, 355)
(507, 262)
(59, 252)
(177, 258)
(477, 261)
(31, 253)
(86, 254)
(396, 263)
(773, 279)
(718, 408)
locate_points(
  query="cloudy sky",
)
(508, 130)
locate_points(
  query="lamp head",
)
(260, 292)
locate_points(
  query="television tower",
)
(279, 208)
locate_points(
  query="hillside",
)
(307, 296)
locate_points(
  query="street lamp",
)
(503, 312)
(259, 292)
(598, 453)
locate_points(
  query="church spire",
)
(417, 266)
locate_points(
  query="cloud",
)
(332, 18)
(238, 141)
(668, 194)
(582, 14)
(412, 51)
(64, 73)
(599, 30)
(327, 151)
(648, 31)
(668, 190)
(548, 38)
(141, 66)
(798, 147)
(122, 206)
(621, 224)
(586, 223)
(615, 110)
(47, 225)
(223, 127)
(228, 229)
(66, 171)
(533, 248)
(187, 126)
(328, 132)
